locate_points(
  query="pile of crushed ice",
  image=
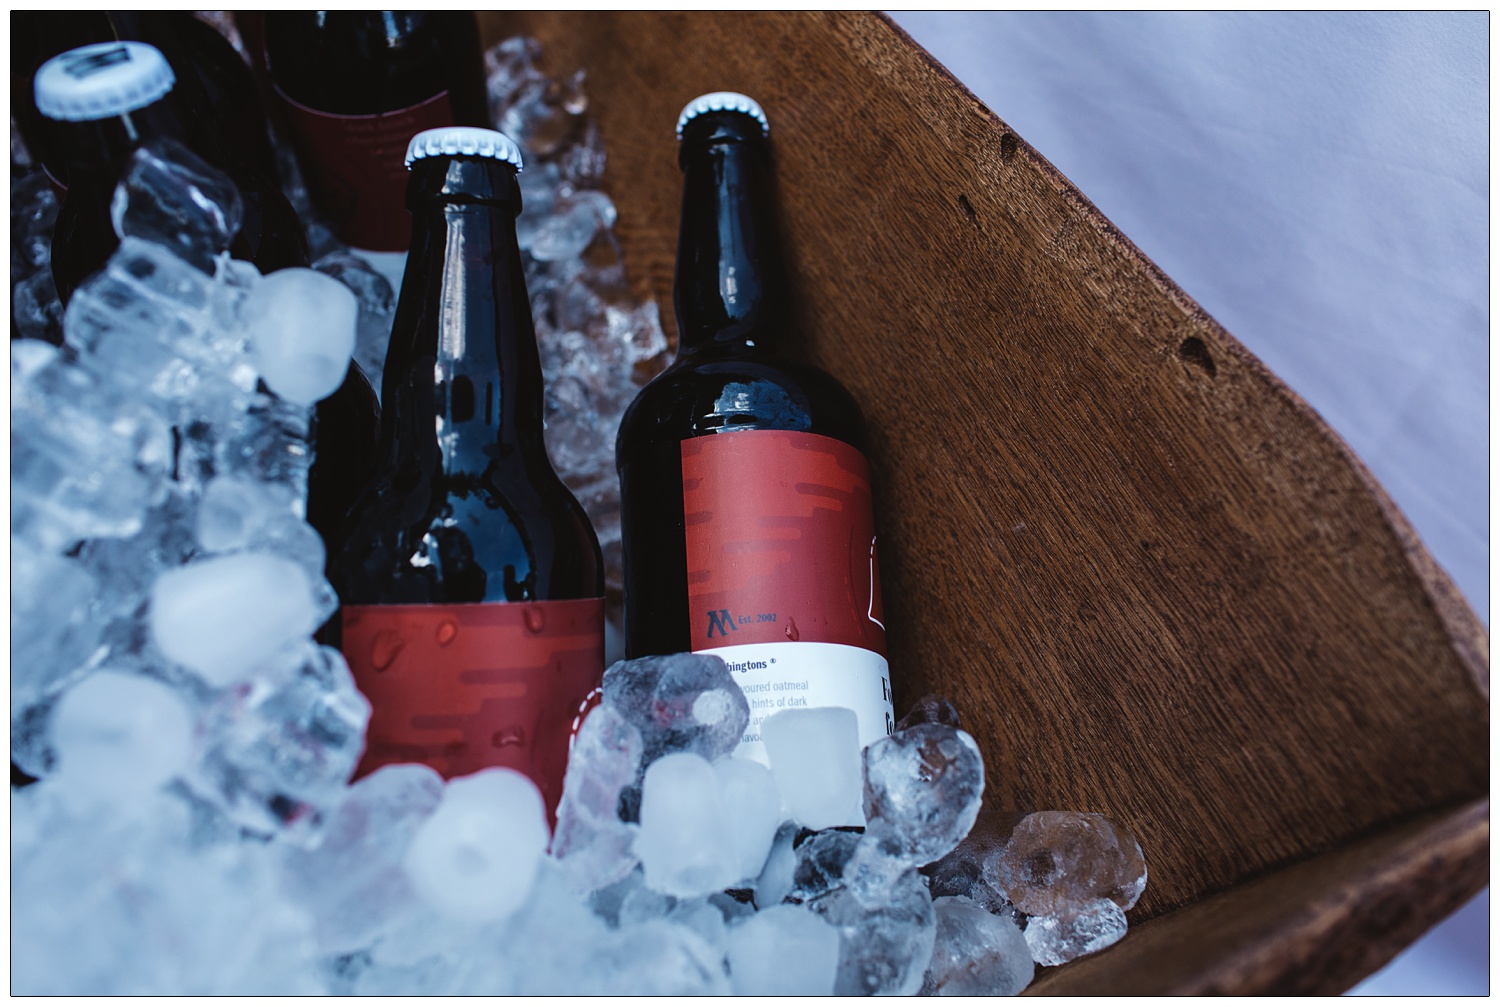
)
(194, 831)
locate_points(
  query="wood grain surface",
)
(1154, 582)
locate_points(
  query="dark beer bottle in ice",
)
(747, 521)
(470, 577)
(351, 88)
(104, 102)
(107, 100)
(213, 82)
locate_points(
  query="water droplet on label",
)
(384, 648)
(791, 630)
(512, 735)
(536, 619)
(447, 631)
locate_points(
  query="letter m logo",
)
(721, 621)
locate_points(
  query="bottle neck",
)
(730, 286)
(463, 355)
(95, 152)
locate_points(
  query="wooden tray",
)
(1154, 582)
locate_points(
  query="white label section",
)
(799, 676)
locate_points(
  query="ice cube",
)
(33, 214)
(52, 629)
(819, 863)
(575, 435)
(353, 881)
(962, 873)
(571, 225)
(815, 757)
(777, 876)
(282, 742)
(36, 309)
(783, 951)
(85, 459)
(679, 702)
(232, 509)
(117, 736)
(1060, 937)
(171, 196)
(753, 806)
(704, 918)
(975, 953)
(923, 788)
(222, 616)
(302, 327)
(150, 322)
(476, 857)
(886, 937)
(594, 846)
(930, 709)
(268, 442)
(686, 844)
(1058, 862)
(129, 903)
(377, 308)
(655, 958)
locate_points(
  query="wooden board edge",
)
(1315, 928)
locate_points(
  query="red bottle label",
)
(780, 541)
(356, 167)
(465, 687)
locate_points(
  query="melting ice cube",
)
(476, 857)
(815, 757)
(302, 326)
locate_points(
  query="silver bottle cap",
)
(723, 101)
(468, 140)
(103, 80)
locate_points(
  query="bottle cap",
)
(470, 140)
(723, 101)
(102, 80)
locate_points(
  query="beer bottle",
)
(110, 98)
(216, 87)
(107, 100)
(352, 87)
(471, 579)
(746, 510)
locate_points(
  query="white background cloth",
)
(1319, 183)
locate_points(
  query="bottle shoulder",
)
(467, 537)
(701, 394)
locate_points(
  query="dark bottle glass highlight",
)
(352, 87)
(471, 579)
(745, 492)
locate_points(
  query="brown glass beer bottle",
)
(471, 579)
(747, 523)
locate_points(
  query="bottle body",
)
(352, 87)
(471, 579)
(746, 512)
